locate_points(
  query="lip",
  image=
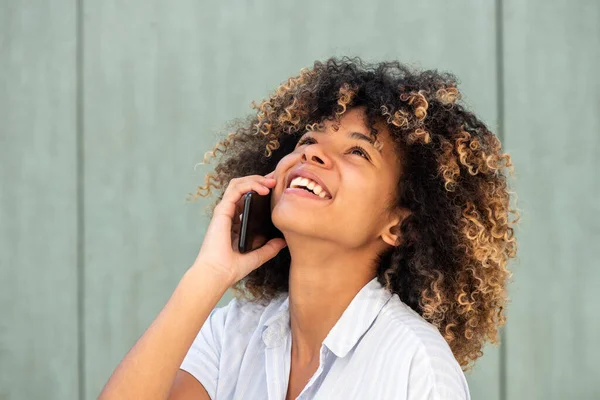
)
(310, 175)
(303, 193)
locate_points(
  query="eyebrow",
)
(359, 136)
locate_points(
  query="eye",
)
(362, 151)
(304, 140)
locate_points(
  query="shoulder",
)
(231, 325)
(412, 328)
(242, 317)
(420, 347)
(221, 342)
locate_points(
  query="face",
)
(360, 181)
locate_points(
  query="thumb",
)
(269, 250)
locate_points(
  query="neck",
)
(318, 296)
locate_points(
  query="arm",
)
(150, 368)
(187, 387)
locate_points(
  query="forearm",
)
(149, 368)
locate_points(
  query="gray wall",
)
(105, 107)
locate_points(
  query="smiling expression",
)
(360, 174)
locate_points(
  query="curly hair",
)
(452, 266)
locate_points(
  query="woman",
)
(391, 275)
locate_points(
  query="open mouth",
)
(304, 192)
(304, 188)
(310, 186)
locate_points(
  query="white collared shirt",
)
(379, 349)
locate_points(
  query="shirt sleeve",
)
(203, 358)
(436, 375)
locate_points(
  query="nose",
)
(315, 154)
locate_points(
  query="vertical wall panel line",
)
(80, 205)
(501, 136)
(500, 68)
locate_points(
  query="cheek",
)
(359, 200)
(285, 164)
(365, 199)
(283, 168)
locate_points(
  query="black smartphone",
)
(256, 225)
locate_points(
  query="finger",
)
(270, 175)
(268, 251)
(234, 194)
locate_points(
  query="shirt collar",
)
(345, 334)
(277, 326)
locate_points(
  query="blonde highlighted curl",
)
(451, 267)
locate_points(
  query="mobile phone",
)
(256, 225)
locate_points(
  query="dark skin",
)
(333, 242)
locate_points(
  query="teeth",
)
(312, 185)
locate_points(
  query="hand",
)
(219, 251)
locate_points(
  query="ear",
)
(392, 234)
